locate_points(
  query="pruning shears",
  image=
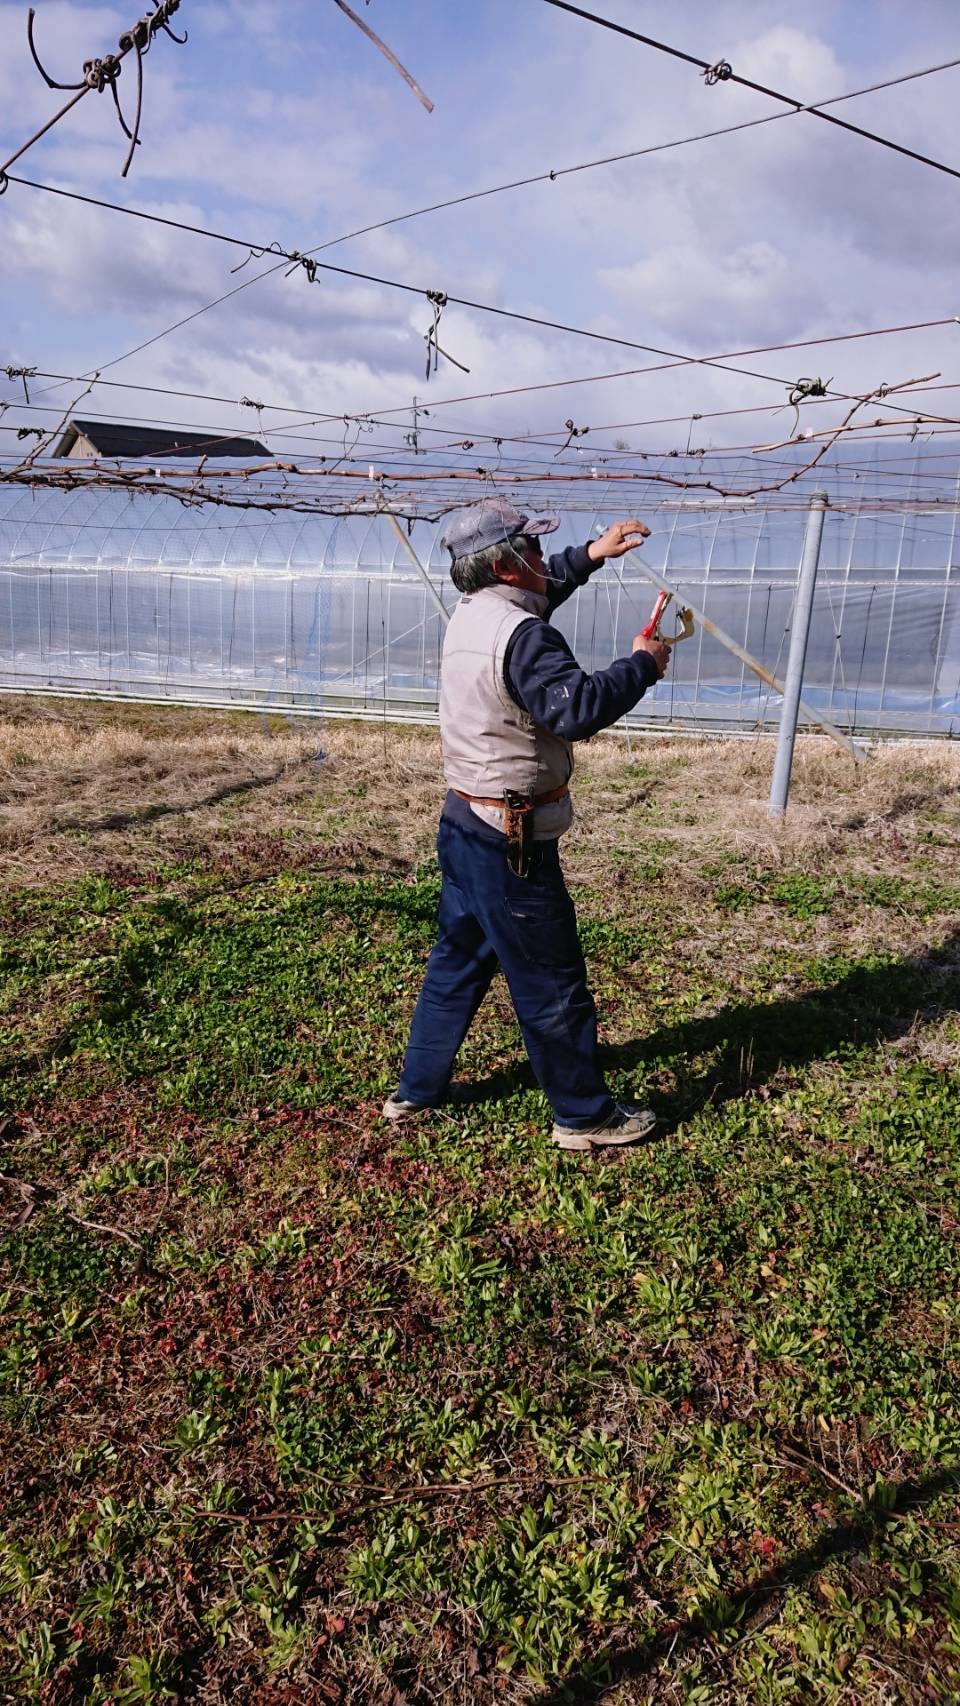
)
(652, 631)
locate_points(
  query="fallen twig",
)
(397, 1495)
(32, 1194)
(109, 1231)
(794, 1459)
(28, 1192)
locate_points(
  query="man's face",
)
(525, 567)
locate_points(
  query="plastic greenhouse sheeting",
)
(135, 596)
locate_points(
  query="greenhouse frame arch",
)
(142, 597)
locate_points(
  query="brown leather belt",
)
(518, 811)
(499, 805)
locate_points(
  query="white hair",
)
(471, 574)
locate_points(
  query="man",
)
(513, 699)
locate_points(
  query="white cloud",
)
(686, 287)
(790, 230)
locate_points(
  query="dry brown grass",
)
(83, 784)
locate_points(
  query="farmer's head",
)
(490, 542)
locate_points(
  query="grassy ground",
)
(297, 1409)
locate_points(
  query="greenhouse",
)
(141, 596)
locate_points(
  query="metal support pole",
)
(398, 530)
(799, 636)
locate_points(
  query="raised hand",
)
(622, 537)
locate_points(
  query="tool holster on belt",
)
(518, 810)
(518, 828)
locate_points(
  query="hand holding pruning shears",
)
(658, 644)
(616, 541)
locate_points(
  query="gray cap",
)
(491, 522)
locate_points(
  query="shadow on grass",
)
(756, 1039)
(150, 814)
(844, 1539)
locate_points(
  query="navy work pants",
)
(527, 926)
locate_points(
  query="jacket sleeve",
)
(566, 571)
(545, 679)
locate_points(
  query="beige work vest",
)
(489, 743)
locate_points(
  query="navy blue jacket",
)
(545, 679)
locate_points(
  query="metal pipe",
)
(427, 715)
(398, 530)
(820, 722)
(799, 637)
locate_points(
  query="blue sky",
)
(279, 120)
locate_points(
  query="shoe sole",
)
(581, 1141)
(573, 1141)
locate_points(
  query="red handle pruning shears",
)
(652, 632)
(652, 629)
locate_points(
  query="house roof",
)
(115, 439)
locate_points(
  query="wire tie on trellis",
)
(251, 403)
(29, 432)
(23, 374)
(256, 254)
(102, 72)
(719, 73)
(309, 266)
(805, 388)
(438, 302)
(98, 74)
(801, 391)
(572, 433)
(4, 183)
(246, 261)
(690, 431)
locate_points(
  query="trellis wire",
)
(176, 605)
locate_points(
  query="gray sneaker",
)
(626, 1124)
(396, 1108)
